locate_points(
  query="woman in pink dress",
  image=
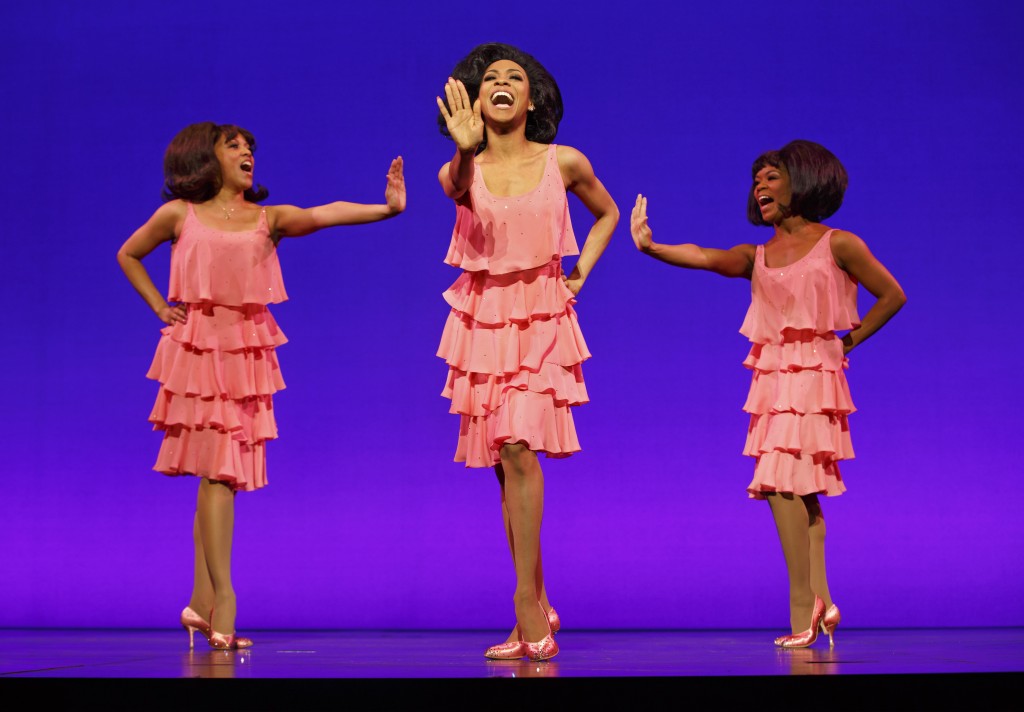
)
(512, 342)
(216, 361)
(804, 290)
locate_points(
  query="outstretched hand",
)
(638, 226)
(394, 193)
(463, 119)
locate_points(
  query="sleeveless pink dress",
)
(219, 371)
(512, 342)
(799, 399)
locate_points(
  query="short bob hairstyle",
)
(191, 169)
(542, 122)
(816, 178)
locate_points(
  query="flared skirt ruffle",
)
(514, 351)
(798, 402)
(218, 373)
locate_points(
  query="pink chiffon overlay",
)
(512, 341)
(218, 371)
(799, 399)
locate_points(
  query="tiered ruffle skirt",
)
(218, 373)
(798, 402)
(513, 348)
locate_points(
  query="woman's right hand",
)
(638, 226)
(463, 119)
(169, 315)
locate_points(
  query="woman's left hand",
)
(847, 343)
(394, 194)
(574, 282)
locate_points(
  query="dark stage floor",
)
(868, 669)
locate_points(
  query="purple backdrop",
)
(367, 523)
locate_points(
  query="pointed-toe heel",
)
(506, 651)
(802, 640)
(192, 622)
(222, 641)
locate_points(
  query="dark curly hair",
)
(542, 122)
(191, 169)
(816, 177)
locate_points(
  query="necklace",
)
(227, 212)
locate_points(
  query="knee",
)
(516, 458)
(816, 532)
(215, 491)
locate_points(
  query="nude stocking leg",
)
(215, 513)
(524, 502)
(545, 604)
(202, 587)
(792, 523)
(816, 535)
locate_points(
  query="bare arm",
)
(290, 221)
(578, 176)
(855, 258)
(456, 176)
(734, 262)
(161, 227)
(466, 127)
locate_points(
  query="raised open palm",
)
(463, 119)
(394, 193)
(638, 226)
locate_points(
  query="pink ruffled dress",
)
(799, 399)
(218, 371)
(512, 342)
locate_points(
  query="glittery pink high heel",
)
(829, 622)
(554, 622)
(544, 649)
(513, 650)
(220, 641)
(802, 640)
(191, 622)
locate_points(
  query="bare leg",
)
(202, 587)
(215, 514)
(816, 537)
(524, 501)
(545, 604)
(792, 523)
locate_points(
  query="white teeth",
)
(764, 200)
(504, 97)
(247, 166)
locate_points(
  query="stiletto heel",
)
(554, 622)
(191, 622)
(802, 640)
(829, 623)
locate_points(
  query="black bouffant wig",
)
(816, 178)
(542, 122)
